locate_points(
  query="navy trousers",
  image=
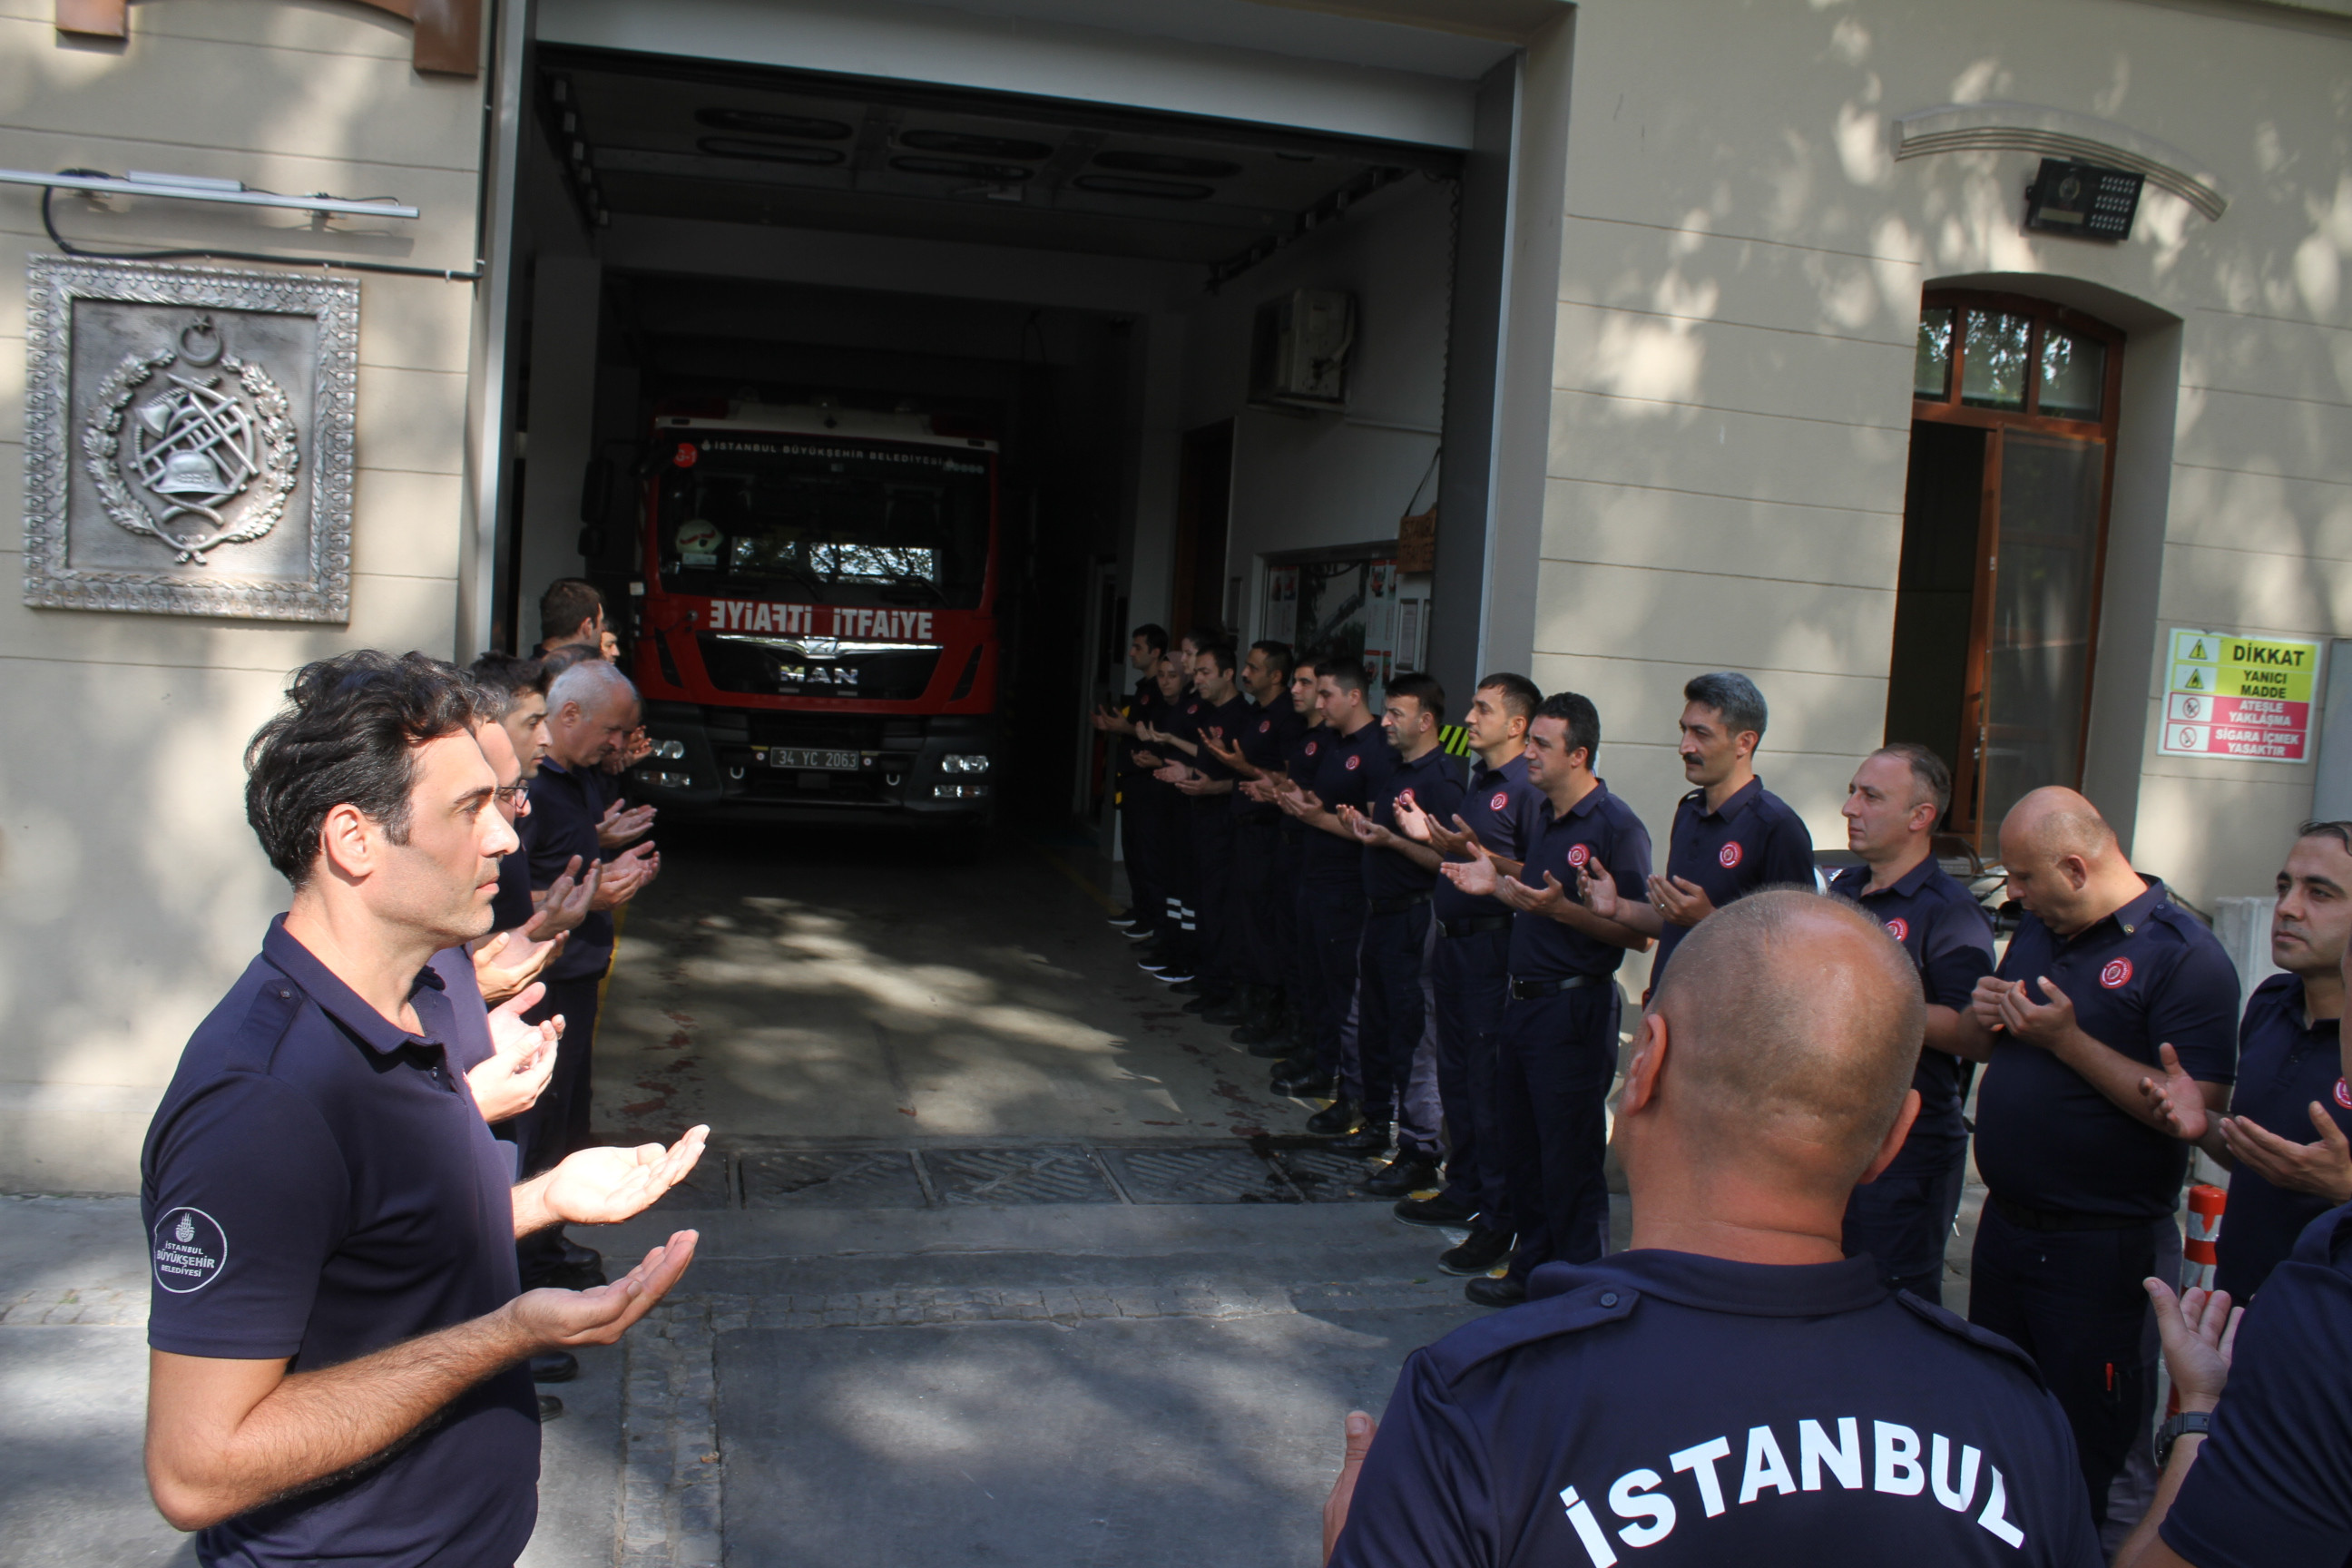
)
(1904, 1218)
(1473, 981)
(1253, 951)
(1331, 928)
(2072, 1300)
(1556, 1058)
(1393, 1022)
(1209, 830)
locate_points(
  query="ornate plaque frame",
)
(285, 555)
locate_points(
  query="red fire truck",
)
(816, 633)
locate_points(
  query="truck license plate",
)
(802, 757)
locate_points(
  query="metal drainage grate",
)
(1326, 1175)
(831, 1178)
(711, 1185)
(1017, 1177)
(1217, 1173)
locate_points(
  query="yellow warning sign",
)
(2231, 696)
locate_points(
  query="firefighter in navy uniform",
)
(1904, 1217)
(1732, 1390)
(2083, 1174)
(1396, 1029)
(2258, 1459)
(1501, 811)
(1145, 648)
(1555, 1049)
(2284, 1138)
(1218, 709)
(1349, 758)
(1730, 836)
(1256, 901)
(1292, 1041)
(1167, 951)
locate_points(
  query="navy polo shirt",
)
(2272, 1487)
(470, 1043)
(317, 1184)
(1661, 1408)
(1755, 841)
(2147, 975)
(1600, 827)
(2283, 1066)
(511, 907)
(1299, 760)
(1267, 737)
(1949, 937)
(1224, 723)
(1345, 769)
(565, 805)
(1142, 708)
(1506, 812)
(1434, 780)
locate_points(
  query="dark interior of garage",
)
(689, 153)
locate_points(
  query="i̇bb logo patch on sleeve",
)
(2344, 1094)
(2116, 974)
(1730, 855)
(1898, 928)
(1578, 854)
(1352, 761)
(1502, 798)
(190, 1249)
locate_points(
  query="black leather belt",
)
(1397, 905)
(2052, 1220)
(1528, 990)
(1474, 925)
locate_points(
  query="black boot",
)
(1485, 1291)
(1238, 1006)
(1299, 1075)
(1372, 1137)
(1479, 1252)
(1408, 1173)
(1339, 1116)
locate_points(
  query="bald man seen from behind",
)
(2083, 1173)
(1731, 1389)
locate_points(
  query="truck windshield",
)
(806, 519)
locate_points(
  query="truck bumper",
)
(817, 769)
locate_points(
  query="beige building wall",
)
(1741, 268)
(131, 891)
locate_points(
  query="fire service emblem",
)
(189, 440)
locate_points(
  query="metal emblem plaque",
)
(188, 440)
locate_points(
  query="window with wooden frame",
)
(2004, 545)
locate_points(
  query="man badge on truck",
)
(176, 438)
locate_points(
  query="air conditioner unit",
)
(1299, 350)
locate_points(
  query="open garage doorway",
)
(1065, 289)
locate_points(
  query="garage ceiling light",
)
(974, 146)
(1167, 164)
(763, 122)
(962, 169)
(1128, 186)
(769, 151)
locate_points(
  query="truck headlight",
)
(670, 750)
(964, 762)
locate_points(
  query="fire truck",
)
(814, 614)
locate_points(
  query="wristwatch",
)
(2179, 1425)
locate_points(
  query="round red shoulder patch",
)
(1898, 928)
(685, 455)
(1194, 708)
(1578, 854)
(2344, 1094)
(1352, 761)
(1313, 746)
(1730, 854)
(2116, 974)
(1502, 798)
(1263, 725)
